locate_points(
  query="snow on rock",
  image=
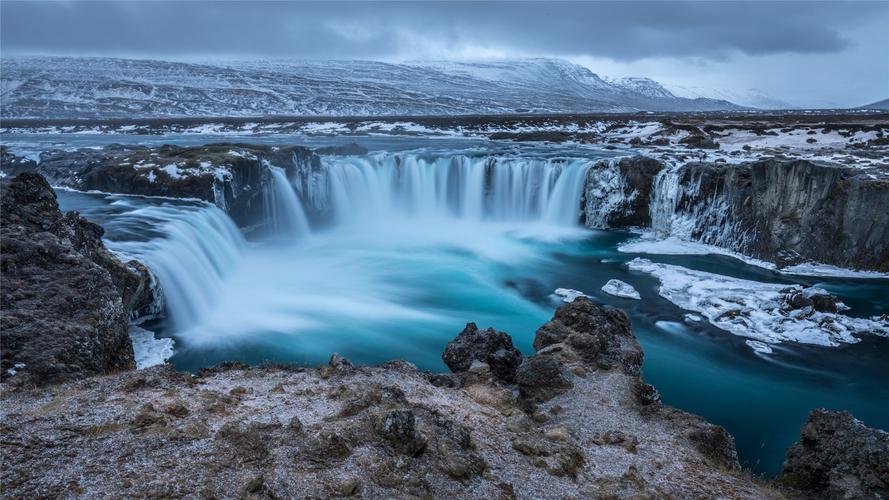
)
(149, 350)
(759, 311)
(568, 295)
(620, 289)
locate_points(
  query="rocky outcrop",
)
(579, 422)
(235, 177)
(65, 297)
(12, 165)
(789, 211)
(837, 457)
(618, 193)
(485, 346)
(781, 211)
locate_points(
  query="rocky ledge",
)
(237, 178)
(65, 297)
(578, 421)
(782, 211)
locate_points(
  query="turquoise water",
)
(403, 288)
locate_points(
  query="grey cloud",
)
(620, 31)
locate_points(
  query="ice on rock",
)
(620, 289)
(568, 295)
(758, 311)
(149, 350)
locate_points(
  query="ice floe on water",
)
(759, 347)
(620, 289)
(826, 270)
(765, 312)
(149, 350)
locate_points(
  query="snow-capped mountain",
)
(128, 88)
(751, 98)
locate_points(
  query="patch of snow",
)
(619, 288)
(815, 269)
(648, 243)
(753, 309)
(568, 295)
(173, 171)
(149, 350)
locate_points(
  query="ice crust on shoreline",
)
(755, 310)
(149, 351)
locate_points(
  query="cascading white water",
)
(664, 197)
(283, 209)
(198, 246)
(459, 186)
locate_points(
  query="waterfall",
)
(353, 189)
(195, 248)
(283, 209)
(665, 195)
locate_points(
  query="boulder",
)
(489, 346)
(837, 456)
(65, 298)
(540, 378)
(600, 335)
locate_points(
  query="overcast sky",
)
(809, 54)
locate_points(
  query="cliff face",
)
(235, 177)
(578, 421)
(781, 211)
(65, 298)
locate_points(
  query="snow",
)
(620, 289)
(759, 347)
(173, 171)
(753, 309)
(826, 270)
(149, 351)
(648, 243)
(568, 294)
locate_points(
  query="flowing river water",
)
(421, 242)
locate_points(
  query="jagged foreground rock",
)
(837, 457)
(580, 422)
(65, 297)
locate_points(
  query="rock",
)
(340, 363)
(837, 457)
(327, 447)
(715, 443)
(12, 165)
(65, 298)
(598, 334)
(541, 378)
(234, 177)
(399, 428)
(487, 346)
(699, 142)
(618, 194)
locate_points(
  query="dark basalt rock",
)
(234, 177)
(837, 457)
(65, 297)
(699, 142)
(399, 428)
(600, 335)
(637, 175)
(488, 346)
(12, 165)
(540, 378)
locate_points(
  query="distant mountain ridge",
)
(884, 104)
(61, 87)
